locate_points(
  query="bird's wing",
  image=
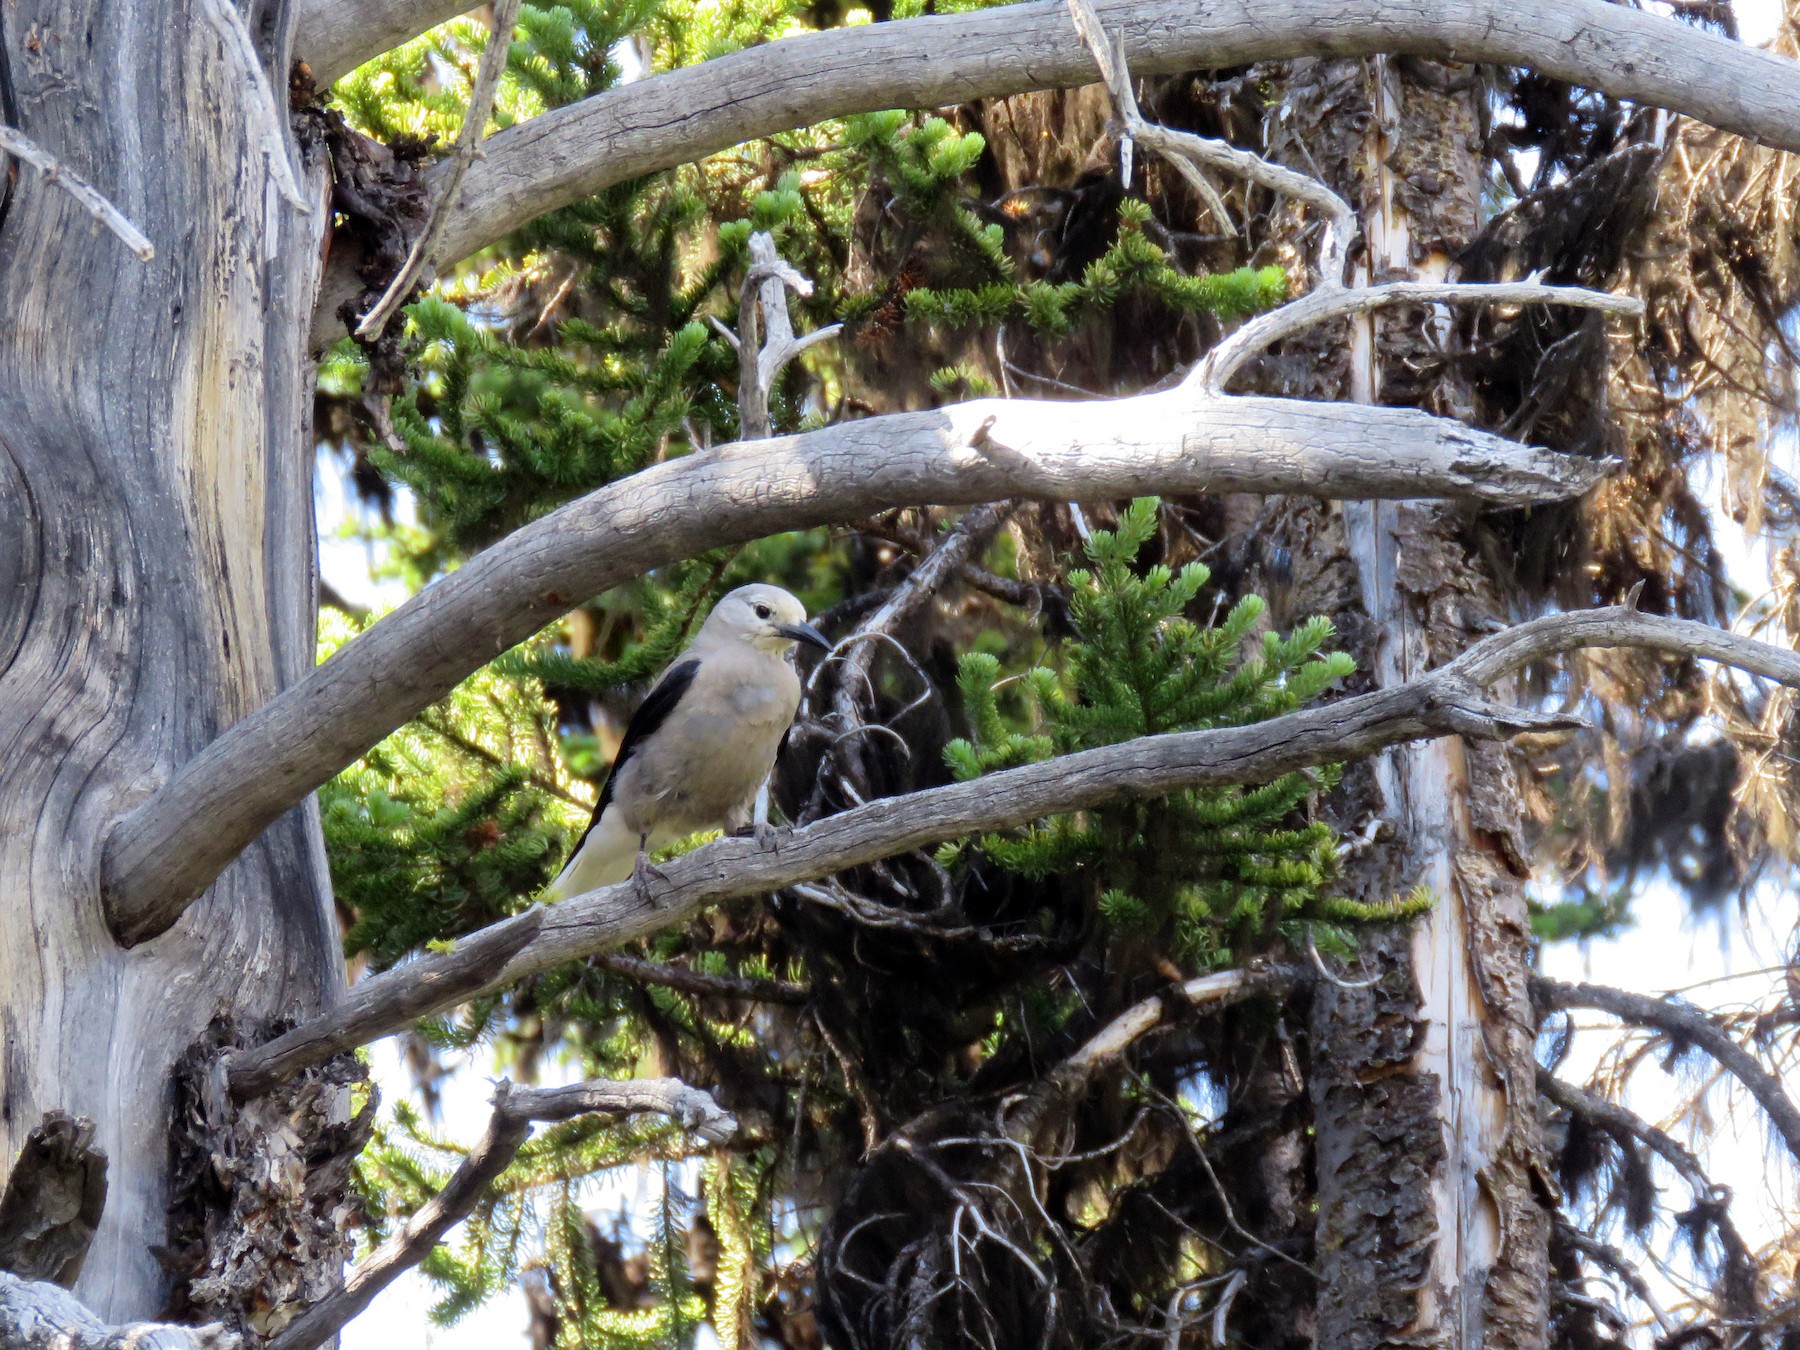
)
(650, 715)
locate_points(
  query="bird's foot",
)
(643, 874)
(764, 833)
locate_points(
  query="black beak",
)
(804, 632)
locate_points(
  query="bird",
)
(702, 743)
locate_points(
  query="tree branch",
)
(515, 1108)
(571, 153)
(1615, 1118)
(1338, 302)
(698, 982)
(854, 656)
(17, 143)
(1446, 700)
(166, 852)
(1683, 1022)
(422, 256)
(765, 348)
(38, 1316)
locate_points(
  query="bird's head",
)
(766, 617)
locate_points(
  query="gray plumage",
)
(703, 741)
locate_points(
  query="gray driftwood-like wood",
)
(1440, 703)
(156, 556)
(649, 125)
(171, 848)
(35, 1315)
(515, 1108)
(53, 1200)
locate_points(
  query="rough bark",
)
(1432, 1226)
(155, 563)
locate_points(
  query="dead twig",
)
(16, 143)
(1683, 1022)
(767, 345)
(421, 257)
(515, 1110)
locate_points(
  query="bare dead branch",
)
(1207, 991)
(422, 256)
(855, 655)
(1332, 298)
(35, 1315)
(161, 856)
(443, 981)
(1445, 700)
(1188, 152)
(515, 1108)
(1683, 1022)
(1620, 1121)
(761, 359)
(17, 143)
(1327, 303)
(675, 118)
(699, 982)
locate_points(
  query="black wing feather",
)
(650, 715)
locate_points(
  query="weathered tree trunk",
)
(1432, 1228)
(156, 567)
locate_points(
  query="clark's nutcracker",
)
(701, 744)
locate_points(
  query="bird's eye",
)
(762, 611)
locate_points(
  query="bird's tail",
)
(604, 858)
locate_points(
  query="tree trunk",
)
(1432, 1227)
(156, 564)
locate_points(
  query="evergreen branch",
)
(169, 849)
(515, 1110)
(1683, 1023)
(420, 258)
(1443, 701)
(563, 156)
(89, 198)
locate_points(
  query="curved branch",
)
(1683, 1022)
(1444, 701)
(515, 1108)
(160, 857)
(1622, 1122)
(1338, 302)
(571, 153)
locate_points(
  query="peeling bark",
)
(1433, 1227)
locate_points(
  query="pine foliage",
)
(1211, 871)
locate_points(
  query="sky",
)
(1732, 958)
